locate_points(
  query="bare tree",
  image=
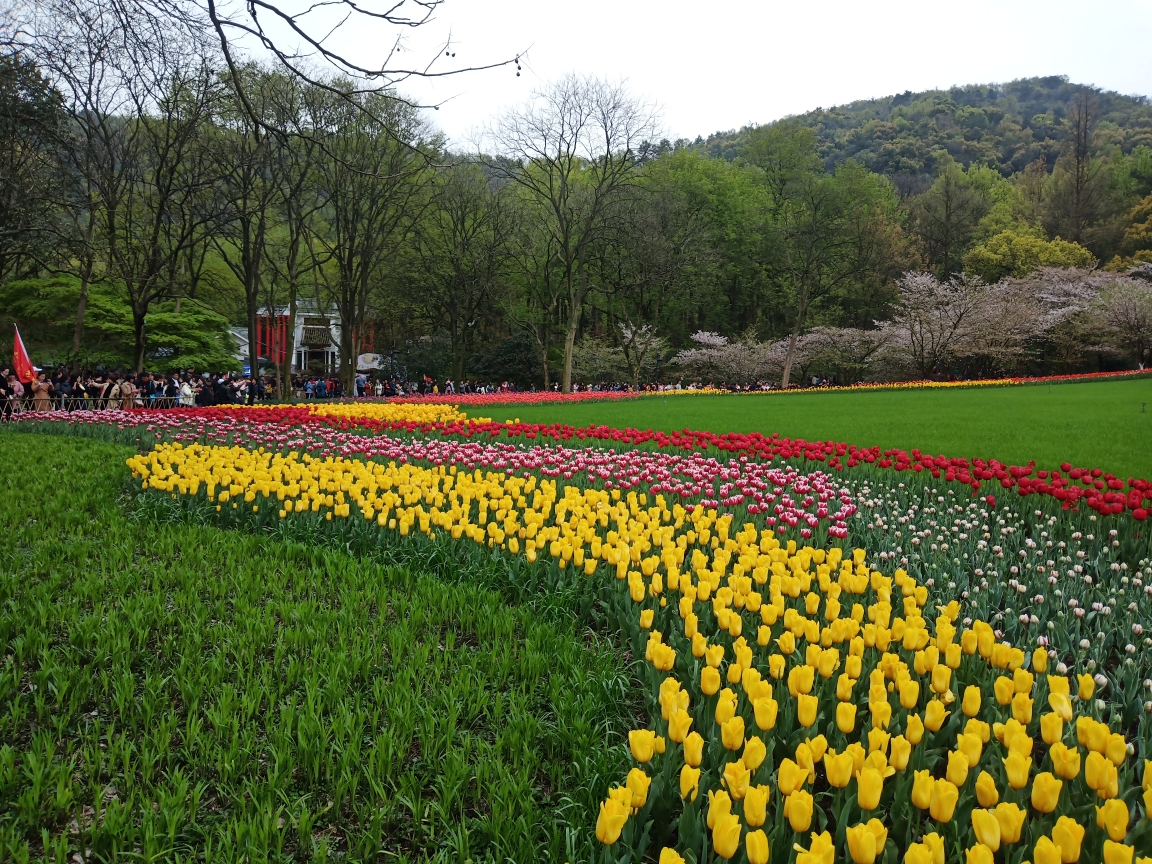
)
(464, 247)
(573, 151)
(138, 92)
(1078, 178)
(1122, 315)
(374, 188)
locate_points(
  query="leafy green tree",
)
(1022, 250)
(830, 233)
(946, 217)
(44, 309)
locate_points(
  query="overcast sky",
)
(718, 65)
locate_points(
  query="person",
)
(15, 394)
(5, 395)
(187, 395)
(41, 393)
(361, 384)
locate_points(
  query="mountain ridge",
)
(1006, 126)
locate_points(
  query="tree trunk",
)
(78, 331)
(785, 379)
(138, 337)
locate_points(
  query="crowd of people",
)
(64, 390)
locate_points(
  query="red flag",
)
(20, 362)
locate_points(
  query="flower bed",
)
(1069, 485)
(890, 637)
(750, 768)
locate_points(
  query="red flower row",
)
(1072, 486)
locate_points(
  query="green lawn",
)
(173, 692)
(1098, 424)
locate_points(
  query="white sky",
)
(717, 65)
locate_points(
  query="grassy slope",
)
(185, 690)
(1097, 424)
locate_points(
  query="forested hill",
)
(1005, 126)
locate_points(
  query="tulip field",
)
(364, 632)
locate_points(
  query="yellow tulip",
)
(1061, 704)
(1046, 852)
(935, 843)
(1065, 760)
(645, 617)
(610, 822)
(922, 786)
(1051, 728)
(941, 678)
(754, 753)
(790, 777)
(725, 708)
(638, 783)
(776, 665)
(986, 792)
(756, 846)
(866, 842)
(839, 768)
(806, 709)
(935, 715)
(732, 733)
(957, 771)
(869, 785)
(1068, 834)
(820, 852)
(709, 681)
(1011, 819)
(915, 729)
(1040, 661)
(918, 853)
(986, 828)
(1087, 686)
(756, 805)
(678, 725)
(798, 810)
(909, 694)
(1017, 768)
(1022, 681)
(726, 835)
(1113, 818)
(901, 752)
(1022, 709)
(844, 685)
(1117, 853)
(1117, 749)
(1046, 792)
(643, 744)
(1004, 689)
(846, 717)
(1098, 771)
(978, 854)
(818, 746)
(766, 710)
(689, 782)
(719, 804)
(971, 704)
(737, 778)
(944, 797)
(971, 746)
(693, 749)
(671, 856)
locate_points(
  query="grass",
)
(176, 692)
(1105, 424)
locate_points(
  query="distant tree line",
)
(154, 192)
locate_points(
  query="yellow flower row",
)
(385, 412)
